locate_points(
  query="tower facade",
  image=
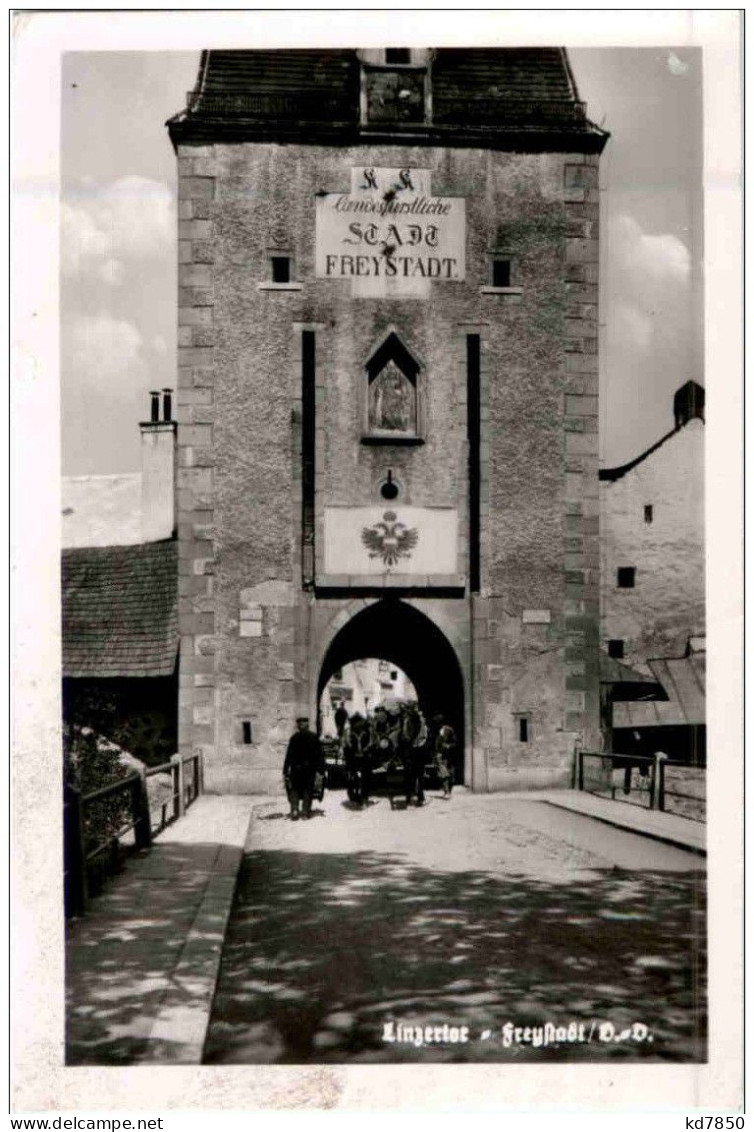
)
(387, 400)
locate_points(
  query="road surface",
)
(476, 929)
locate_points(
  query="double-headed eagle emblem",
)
(389, 539)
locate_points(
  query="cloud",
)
(103, 353)
(649, 261)
(650, 290)
(109, 229)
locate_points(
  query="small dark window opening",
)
(393, 675)
(281, 268)
(615, 649)
(648, 513)
(501, 273)
(523, 729)
(246, 730)
(626, 577)
(397, 54)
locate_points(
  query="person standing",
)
(444, 753)
(415, 753)
(341, 719)
(304, 760)
(358, 767)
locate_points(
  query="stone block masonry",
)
(581, 449)
(195, 494)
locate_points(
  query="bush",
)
(89, 763)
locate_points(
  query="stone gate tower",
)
(387, 399)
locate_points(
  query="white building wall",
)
(370, 683)
(666, 606)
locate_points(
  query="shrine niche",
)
(392, 402)
(393, 395)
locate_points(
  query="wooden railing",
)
(639, 780)
(101, 826)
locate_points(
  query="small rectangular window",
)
(626, 577)
(501, 273)
(281, 268)
(393, 675)
(398, 55)
(648, 513)
(615, 649)
(523, 726)
(246, 730)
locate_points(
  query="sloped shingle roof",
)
(683, 678)
(120, 610)
(480, 96)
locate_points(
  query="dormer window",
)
(395, 86)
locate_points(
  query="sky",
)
(118, 242)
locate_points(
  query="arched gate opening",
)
(394, 631)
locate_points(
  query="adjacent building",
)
(653, 586)
(120, 598)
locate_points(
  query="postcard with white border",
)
(377, 558)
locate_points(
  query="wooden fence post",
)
(657, 799)
(76, 888)
(141, 814)
(179, 805)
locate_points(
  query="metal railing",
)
(508, 109)
(96, 825)
(310, 105)
(639, 780)
(318, 106)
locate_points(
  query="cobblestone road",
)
(472, 913)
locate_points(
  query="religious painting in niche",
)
(395, 96)
(392, 402)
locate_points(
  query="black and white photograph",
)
(378, 692)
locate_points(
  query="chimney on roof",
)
(158, 470)
(688, 403)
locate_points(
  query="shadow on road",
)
(323, 949)
(120, 956)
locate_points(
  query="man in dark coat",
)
(414, 743)
(304, 759)
(341, 719)
(358, 762)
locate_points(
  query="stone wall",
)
(252, 638)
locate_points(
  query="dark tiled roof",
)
(120, 610)
(480, 96)
(609, 475)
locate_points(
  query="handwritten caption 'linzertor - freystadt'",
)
(538, 1037)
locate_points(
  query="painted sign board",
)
(389, 236)
(378, 541)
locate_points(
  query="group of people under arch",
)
(400, 740)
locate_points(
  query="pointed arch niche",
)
(393, 395)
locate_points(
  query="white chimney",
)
(158, 470)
